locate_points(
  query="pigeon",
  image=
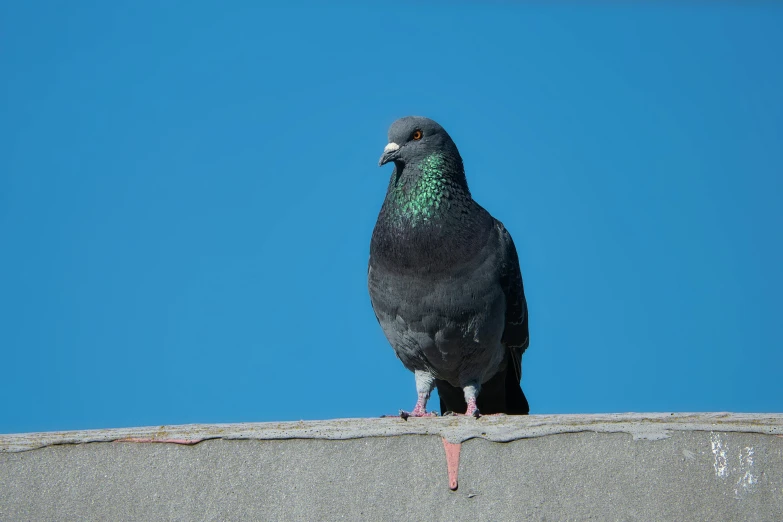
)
(444, 280)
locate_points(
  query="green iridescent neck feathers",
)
(419, 197)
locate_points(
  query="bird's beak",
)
(389, 153)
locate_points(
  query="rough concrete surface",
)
(698, 467)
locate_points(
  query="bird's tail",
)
(516, 402)
(501, 394)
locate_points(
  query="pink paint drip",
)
(452, 462)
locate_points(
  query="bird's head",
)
(413, 138)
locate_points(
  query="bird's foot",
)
(476, 414)
(469, 413)
(405, 414)
(419, 411)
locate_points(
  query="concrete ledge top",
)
(501, 428)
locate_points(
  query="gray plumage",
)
(444, 279)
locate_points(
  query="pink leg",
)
(472, 410)
(419, 410)
(425, 383)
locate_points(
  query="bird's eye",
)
(417, 134)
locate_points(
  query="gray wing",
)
(515, 335)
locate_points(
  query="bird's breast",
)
(440, 323)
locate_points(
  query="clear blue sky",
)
(187, 194)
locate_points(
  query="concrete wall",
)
(564, 467)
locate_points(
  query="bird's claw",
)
(405, 414)
(475, 413)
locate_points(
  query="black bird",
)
(444, 279)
